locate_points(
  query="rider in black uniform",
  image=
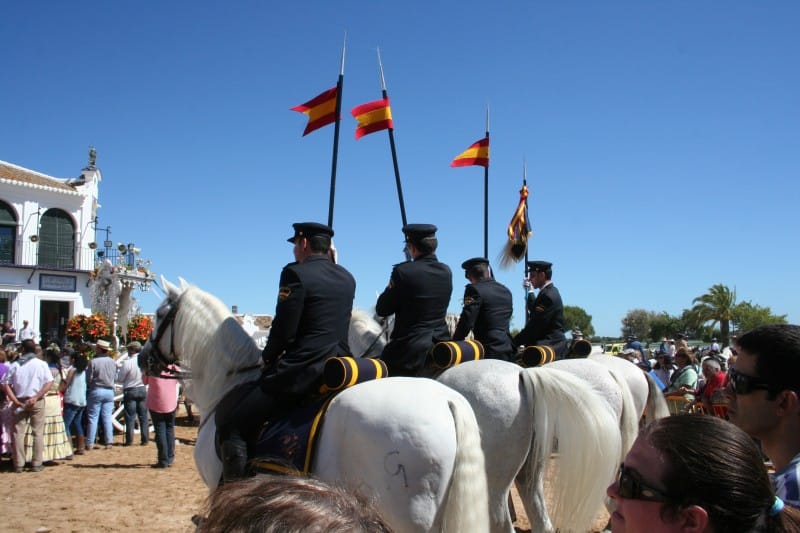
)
(487, 310)
(418, 295)
(311, 323)
(546, 324)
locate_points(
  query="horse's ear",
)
(184, 284)
(169, 287)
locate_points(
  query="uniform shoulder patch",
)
(283, 293)
(469, 300)
(540, 308)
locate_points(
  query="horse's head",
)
(158, 353)
(366, 335)
(197, 332)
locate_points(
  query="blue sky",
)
(662, 139)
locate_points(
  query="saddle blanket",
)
(287, 445)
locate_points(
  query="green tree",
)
(576, 318)
(664, 325)
(747, 316)
(716, 306)
(637, 322)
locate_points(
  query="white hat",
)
(104, 344)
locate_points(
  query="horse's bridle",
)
(152, 359)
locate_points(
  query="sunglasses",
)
(744, 384)
(631, 487)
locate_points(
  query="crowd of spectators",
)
(54, 399)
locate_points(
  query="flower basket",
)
(139, 328)
(87, 328)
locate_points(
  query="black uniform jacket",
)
(418, 295)
(311, 322)
(546, 325)
(488, 306)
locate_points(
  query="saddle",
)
(287, 445)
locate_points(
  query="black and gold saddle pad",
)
(287, 445)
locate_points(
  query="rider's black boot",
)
(234, 459)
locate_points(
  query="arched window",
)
(57, 240)
(8, 233)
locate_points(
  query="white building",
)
(47, 247)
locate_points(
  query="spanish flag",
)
(477, 154)
(372, 117)
(321, 110)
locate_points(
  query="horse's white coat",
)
(413, 444)
(648, 399)
(520, 410)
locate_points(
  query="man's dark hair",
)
(319, 244)
(427, 245)
(776, 348)
(479, 271)
(28, 346)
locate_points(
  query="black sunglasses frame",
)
(742, 384)
(631, 487)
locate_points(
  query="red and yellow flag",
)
(321, 110)
(477, 154)
(519, 231)
(372, 117)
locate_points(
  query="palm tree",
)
(717, 305)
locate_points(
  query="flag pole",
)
(394, 150)
(339, 85)
(527, 223)
(486, 196)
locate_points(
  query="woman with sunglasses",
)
(696, 473)
(684, 380)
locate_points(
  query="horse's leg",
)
(492, 389)
(530, 484)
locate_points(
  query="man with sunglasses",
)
(764, 400)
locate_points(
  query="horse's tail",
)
(467, 499)
(566, 409)
(656, 406)
(629, 418)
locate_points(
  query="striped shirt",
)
(787, 482)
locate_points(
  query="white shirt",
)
(27, 333)
(27, 380)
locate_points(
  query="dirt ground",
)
(117, 490)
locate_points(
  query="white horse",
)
(411, 444)
(647, 397)
(521, 412)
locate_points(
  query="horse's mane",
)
(362, 333)
(212, 344)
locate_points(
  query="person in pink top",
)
(162, 401)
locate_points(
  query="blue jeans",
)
(100, 404)
(135, 407)
(73, 417)
(164, 428)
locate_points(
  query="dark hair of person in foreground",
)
(711, 463)
(288, 504)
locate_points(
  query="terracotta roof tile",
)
(31, 178)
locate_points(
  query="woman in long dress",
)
(56, 443)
